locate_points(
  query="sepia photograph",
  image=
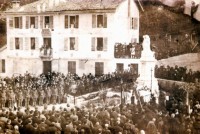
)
(99, 67)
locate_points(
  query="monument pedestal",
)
(147, 84)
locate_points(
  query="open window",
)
(32, 43)
(2, 66)
(18, 22)
(99, 44)
(99, 21)
(71, 21)
(71, 43)
(48, 21)
(47, 43)
(17, 44)
(31, 22)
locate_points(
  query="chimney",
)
(15, 3)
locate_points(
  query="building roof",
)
(66, 5)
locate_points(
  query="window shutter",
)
(77, 21)
(41, 22)
(105, 21)
(65, 44)
(12, 43)
(66, 21)
(94, 23)
(21, 43)
(51, 22)
(11, 22)
(27, 22)
(36, 43)
(27, 43)
(76, 43)
(93, 44)
(1, 67)
(36, 22)
(135, 23)
(20, 22)
(105, 42)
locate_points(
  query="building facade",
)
(65, 36)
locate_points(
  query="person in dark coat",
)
(173, 124)
(28, 129)
(196, 124)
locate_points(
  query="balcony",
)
(46, 54)
(127, 51)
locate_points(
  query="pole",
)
(121, 96)
(74, 99)
(151, 79)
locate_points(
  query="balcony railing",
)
(46, 53)
(130, 51)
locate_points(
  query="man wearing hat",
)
(27, 97)
(3, 98)
(19, 97)
(34, 96)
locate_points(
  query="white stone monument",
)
(147, 84)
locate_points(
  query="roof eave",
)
(110, 10)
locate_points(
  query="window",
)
(47, 43)
(99, 21)
(2, 66)
(72, 67)
(99, 68)
(48, 22)
(134, 69)
(31, 22)
(134, 23)
(32, 43)
(71, 43)
(17, 44)
(99, 44)
(120, 67)
(71, 21)
(18, 22)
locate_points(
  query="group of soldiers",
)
(52, 88)
(25, 96)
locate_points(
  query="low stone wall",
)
(191, 61)
(169, 85)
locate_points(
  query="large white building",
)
(76, 36)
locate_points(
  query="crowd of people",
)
(54, 87)
(25, 91)
(177, 73)
(131, 50)
(95, 119)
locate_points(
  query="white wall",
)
(118, 30)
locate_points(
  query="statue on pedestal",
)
(147, 80)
